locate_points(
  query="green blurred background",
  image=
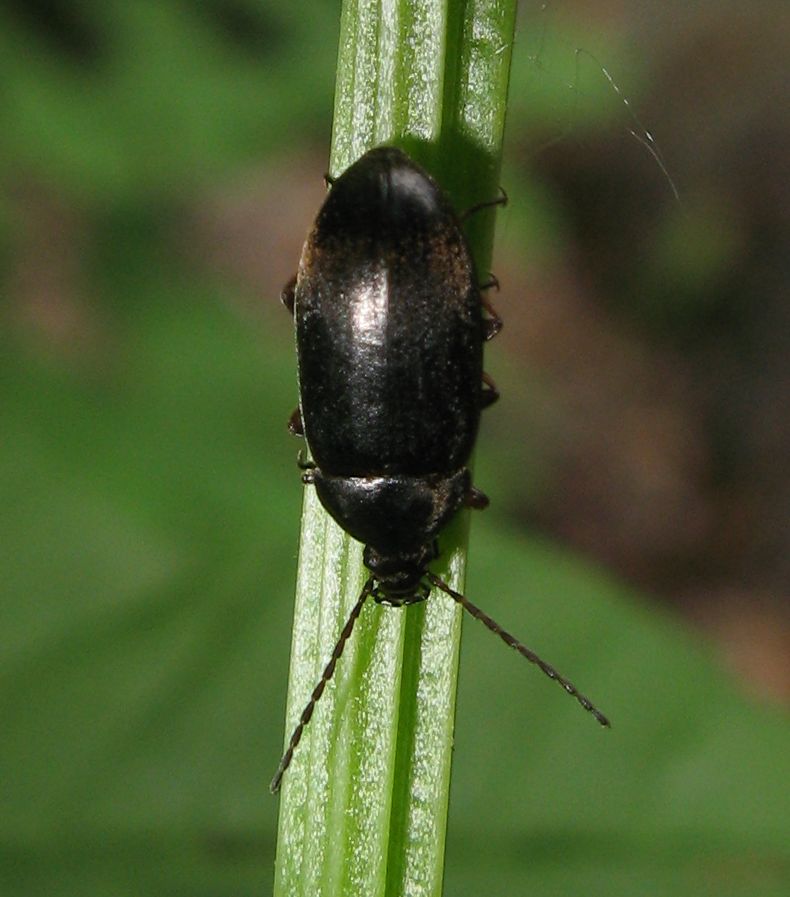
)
(160, 163)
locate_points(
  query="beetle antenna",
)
(513, 642)
(329, 669)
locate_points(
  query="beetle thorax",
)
(397, 514)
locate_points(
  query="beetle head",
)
(399, 577)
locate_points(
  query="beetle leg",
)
(302, 463)
(491, 326)
(490, 393)
(329, 180)
(493, 323)
(476, 499)
(295, 425)
(501, 200)
(287, 295)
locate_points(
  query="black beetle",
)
(389, 334)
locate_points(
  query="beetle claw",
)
(491, 326)
(476, 499)
(493, 323)
(490, 393)
(491, 284)
(287, 296)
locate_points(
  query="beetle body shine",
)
(389, 335)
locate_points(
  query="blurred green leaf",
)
(170, 95)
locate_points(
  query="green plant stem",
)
(364, 804)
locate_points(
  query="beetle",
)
(390, 326)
